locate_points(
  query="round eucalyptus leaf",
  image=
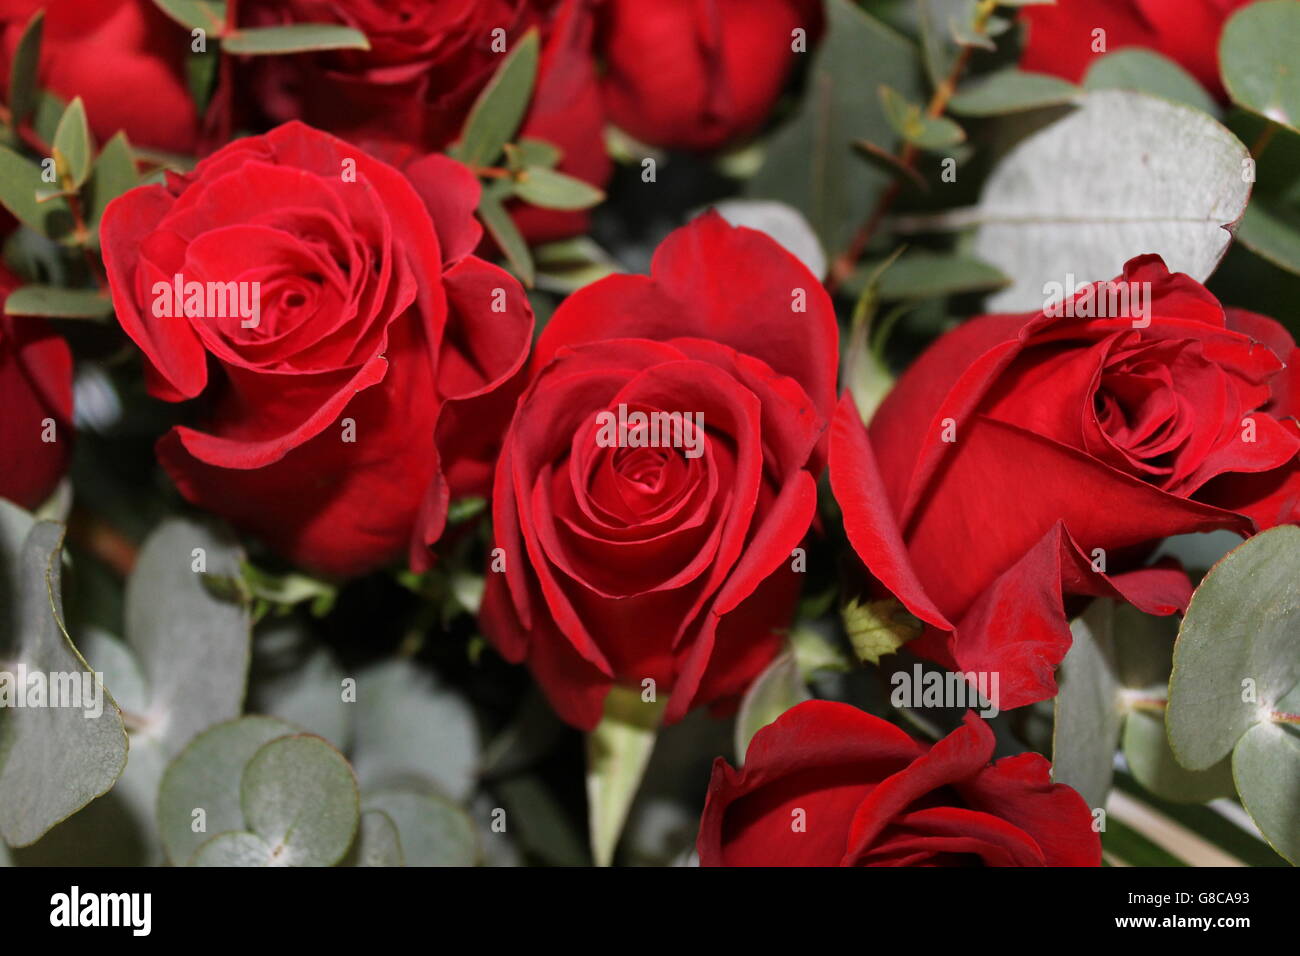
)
(199, 795)
(378, 842)
(1257, 57)
(1266, 767)
(1238, 650)
(1146, 71)
(434, 831)
(299, 795)
(237, 848)
(772, 693)
(1146, 748)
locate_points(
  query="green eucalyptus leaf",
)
(114, 173)
(58, 303)
(1257, 58)
(1121, 175)
(1088, 716)
(1148, 72)
(206, 777)
(1152, 763)
(778, 688)
(73, 148)
(237, 848)
(550, 189)
(407, 725)
(299, 795)
(501, 106)
(434, 831)
(925, 275)
(193, 646)
(812, 162)
(506, 234)
(1266, 768)
(293, 38)
(1238, 650)
(532, 152)
(208, 15)
(20, 180)
(378, 843)
(53, 759)
(23, 70)
(917, 127)
(1272, 236)
(1011, 91)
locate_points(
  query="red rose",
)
(698, 74)
(828, 785)
(626, 561)
(1060, 36)
(375, 327)
(1023, 459)
(428, 62)
(124, 58)
(36, 398)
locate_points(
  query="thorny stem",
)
(844, 265)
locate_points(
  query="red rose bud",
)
(1026, 459)
(36, 398)
(1065, 38)
(334, 325)
(828, 785)
(629, 546)
(124, 58)
(699, 74)
(410, 93)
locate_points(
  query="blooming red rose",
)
(1060, 35)
(698, 74)
(829, 785)
(427, 63)
(340, 325)
(1027, 458)
(124, 58)
(626, 557)
(36, 403)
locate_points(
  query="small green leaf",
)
(20, 180)
(915, 126)
(1148, 72)
(53, 759)
(500, 108)
(1271, 235)
(193, 646)
(877, 628)
(926, 275)
(506, 234)
(1257, 57)
(23, 70)
(378, 843)
(554, 190)
(1152, 763)
(1238, 650)
(73, 148)
(293, 38)
(199, 796)
(532, 152)
(1087, 709)
(773, 692)
(1011, 91)
(57, 303)
(433, 830)
(299, 795)
(1266, 768)
(208, 15)
(235, 848)
(618, 751)
(114, 173)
